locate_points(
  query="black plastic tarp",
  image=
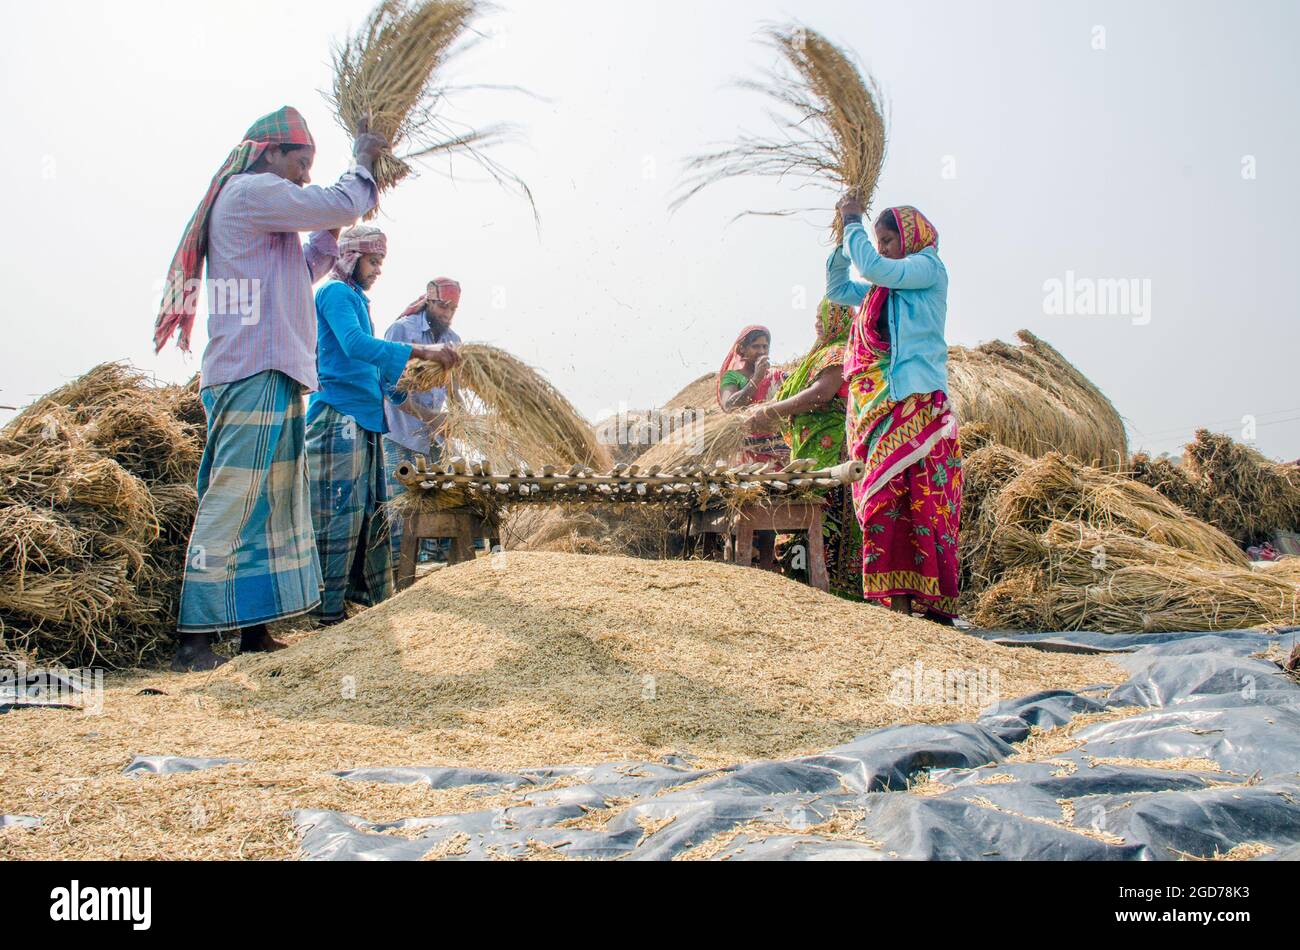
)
(1209, 699)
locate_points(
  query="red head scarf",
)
(734, 361)
(442, 289)
(354, 244)
(181, 294)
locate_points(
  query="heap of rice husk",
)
(1250, 495)
(97, 501)
(616, 530)
(539, 660)
(1032, 399)
(516, 407)
(544, 658)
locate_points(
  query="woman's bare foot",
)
(901, 604)
(935, 617)
(194, 655)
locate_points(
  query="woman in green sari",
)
(810, 407)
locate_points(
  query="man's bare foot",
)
(259, 640)
(194, 655)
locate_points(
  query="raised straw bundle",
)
(386, 80)
(535, 416)
(1033, 399)
(831, 133)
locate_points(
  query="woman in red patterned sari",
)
(900, 421)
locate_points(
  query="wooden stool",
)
(460, 526)
(781, 517)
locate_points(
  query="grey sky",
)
(1122, 162)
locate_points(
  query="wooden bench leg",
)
(744, 551)
(410, 554)
(462, 546)
(817, 555)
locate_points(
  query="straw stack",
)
(1032, 399)
(1250, 496)
(96, 505)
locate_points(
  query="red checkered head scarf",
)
(354, 244)
(181, 294)
(442, 289)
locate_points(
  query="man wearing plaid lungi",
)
(252, 555)
(345, 423)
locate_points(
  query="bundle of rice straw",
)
(534, 415)
(1032, 399)
(831, 134)
(1055, 488)
(708, 441)
(1110, 582)
(96, 503)
(985, 472)
(1251, 496)
(1179, 485)
(386, 80)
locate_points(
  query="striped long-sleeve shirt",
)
(261, 312)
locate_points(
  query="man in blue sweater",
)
(345, 423)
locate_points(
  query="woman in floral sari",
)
(810, 406)
(747, 379)
(900, 421)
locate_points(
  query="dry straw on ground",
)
(831, 130)
(388, 79)
(1032, 399)
(519, 408)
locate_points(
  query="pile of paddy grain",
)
(541, 659)
(1050, 544)
(96, 503)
